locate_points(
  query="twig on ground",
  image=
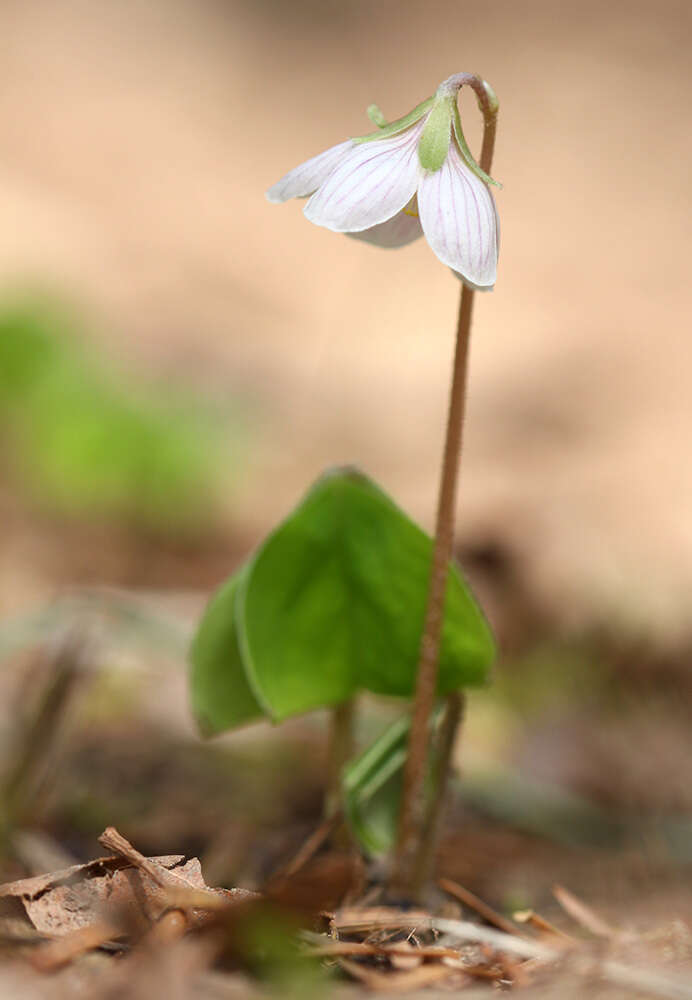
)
(483, 910)
(583, 914)
(161, 876)
(354, 919)
(53, 955)
(318, 946)
(465, 931)
(310, 847)
(540, 924)
(397, 982)
(581, 962)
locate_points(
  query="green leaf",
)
(333, 602)
(371, 787)
(221, 696)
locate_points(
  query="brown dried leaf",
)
(62, 902)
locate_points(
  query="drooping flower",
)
(413, 176)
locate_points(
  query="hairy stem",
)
(412, 842)
(411, 818)
(452, 719)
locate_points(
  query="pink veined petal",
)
(305, 179)
(476, 288)
(402, 228)
(459, 219)
(370, 185)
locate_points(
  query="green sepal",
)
(466, 152)
(399, 125)
(434, 142)
(375, 115)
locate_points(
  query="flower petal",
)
(476, 288)
(371, 184)
(305, 179)
(402, 228)
(459, 219)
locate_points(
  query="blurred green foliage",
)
(267, 940)
(80, 439)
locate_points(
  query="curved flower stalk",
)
(412, 177)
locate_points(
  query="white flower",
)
(414, 176)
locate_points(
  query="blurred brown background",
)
(137, 138)
(136, 141)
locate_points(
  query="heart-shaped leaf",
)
(332, 603)
(220, 693)
(334, 600)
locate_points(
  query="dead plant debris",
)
(153, 919)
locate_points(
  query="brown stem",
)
(339, 751)
(454, 714)
(411, 817)
(411, 835)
